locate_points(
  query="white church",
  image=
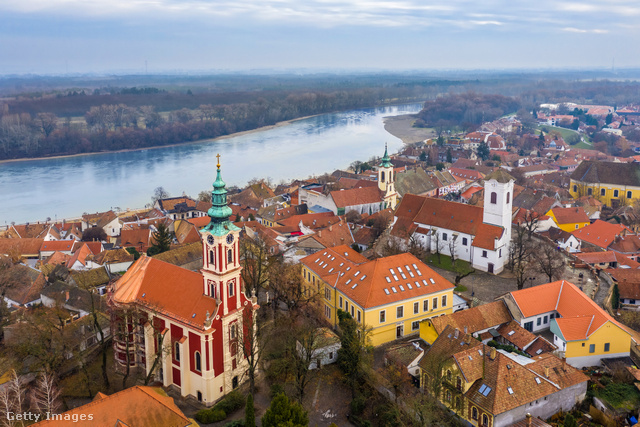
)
(480, 236)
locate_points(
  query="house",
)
(565, 240)
(628, 281)
(182, 207)
(407, 354)
(190, 326)
(615, 184)
(513, 334)
(23, 248)
(139, 238)
(538, 223)
(95, 279)
(391, 295)
(134, 406)
(600, 234)
(607, 259)
(475, 321)
(415, 181)
(325, 345)
(489, 387)
(44, 231)
(108, 221)
(25, 285)
(628, 245)
(569, 219)
(114, 260)
(582, 331)
(478, 235)
(65, 246)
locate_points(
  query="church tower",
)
(221, 250)
(386, 181)
(498, 200)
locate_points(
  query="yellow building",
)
(614, 184)
(582, 331)
(389, 296)
(569, 219)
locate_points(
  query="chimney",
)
(67, 296)
(466, 329)
(528, 421)
(546, 371)
(331, 228)
(467, 338)
(319, 233)
(492, 353)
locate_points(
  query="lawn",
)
(620, 395)
(461, 267)
(566, 133)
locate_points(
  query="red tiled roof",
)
(25, 247)
(570, 215)
(474, 319)
(486, 236)
(58, 245)
(371, 283)
(600, 233)
(152, 283)
(356, 196)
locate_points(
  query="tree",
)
(249, 413)
(12, 400)
(304, 346)
(284, 413)
(423, 157)
(204, 196)
(45, 397)
(162, 237)
(48, 122)
(615, 297)
(257, 263)
(93, 234)
(438, 244)
(519, 255)
(449, 156)
(483, 151)
(548, 260)
(159, 193)
(354, 355)
(569, 421)
(251, 343)
(440, 166)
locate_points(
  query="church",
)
(478, 235)
(183, 328)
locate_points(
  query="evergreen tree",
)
(449, 156)
(615, 297)
(570, 421)
(483, 151)
(249, 413)
(163, 238)
(283, 412)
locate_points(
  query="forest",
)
(49, 116)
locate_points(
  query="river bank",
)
(402, 127)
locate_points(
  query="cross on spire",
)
(218, 156)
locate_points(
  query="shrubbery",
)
(231, 403)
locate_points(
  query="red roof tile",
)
(600, 233)
(570, 215)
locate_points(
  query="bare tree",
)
(158, 194)
(530, 222)
(437, 243)
(307, 340)
(48, 122)
(519, 255)
(12, 400)
(45, 397)
(257, 263)
(548, 260)
(251, 343)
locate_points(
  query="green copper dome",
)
(219, 211)
(386, 160)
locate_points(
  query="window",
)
(539, 322)
(359, 319)
(425, 305)
(400, 312)
(603, 191)
(211, 259)
(589, 191)
(416, 307)
(485, 420)
(545, 320)
(629, 195)
(577, 226)
(176, 351)
(592, 348)
(606, 346)
(444, 237)
(327, 293)
(346, 306)
(327, 312)
(382, 176)
(198, 360)
(494, 198)
(383, 316)
(508, 197)
(464, 241)
(459, 383)
(229, 256)
(434, 304)
(444, 300)
(615, 193)
(448, 395)
(340, 300)
(474, 413)
(232, 332)
(484, 254)
(415, 325)
(232, 287)
(353, 312)
(575, 188)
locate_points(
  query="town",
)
(485, 276)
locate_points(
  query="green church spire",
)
(386, 160)
(219, 211)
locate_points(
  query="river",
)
(67, 187)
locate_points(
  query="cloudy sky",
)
(56, 36)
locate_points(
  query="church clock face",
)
(210, 239)
(230, 239)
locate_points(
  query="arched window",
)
(211, 259)
(382, 176)
(474, 413)
(589, 191)
(508, 197)
(212, 290)
(176, 351)
(494, 198)
(229, 256)
(198, 361)
(485, 420)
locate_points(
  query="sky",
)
(156, 36)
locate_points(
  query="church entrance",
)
(490, 268)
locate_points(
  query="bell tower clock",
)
(220, 245)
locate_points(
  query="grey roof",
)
(595, 172)
(413, 182)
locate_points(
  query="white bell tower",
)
(498, 199)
